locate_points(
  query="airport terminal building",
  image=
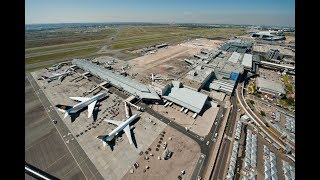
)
(133, 87)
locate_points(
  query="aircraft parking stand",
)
(110, 164)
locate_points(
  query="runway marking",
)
(39, 142)
(55, 162)
(59, 132)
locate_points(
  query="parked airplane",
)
(121, 126)
(90, 102)
(156, 77)
(54, 68)
(55, 76)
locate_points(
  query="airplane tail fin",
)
(103, 139)
(66, 114)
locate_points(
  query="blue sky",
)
(260, 12)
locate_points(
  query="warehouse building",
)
(270, 87)
(273, 54)
(185, 97)
(234, 58)
(237, 46)
(223, 86)
(247, 61)
(133, 87)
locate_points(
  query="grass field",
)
(63, 36)
(64, 46)
(124, 37)
(60, 55)
(136, 36)
(40, 67)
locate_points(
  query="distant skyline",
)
(259, 12)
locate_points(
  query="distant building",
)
(161, 46)
(270, 87)
(237, 46)
(273, 54)
(224, 81)
(247, 61)
(269, 35)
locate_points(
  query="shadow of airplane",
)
(75, 115)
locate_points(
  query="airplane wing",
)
(91, 107)
(128, 133)
(66, 70)
(118, 123)
(80, 98)
(61, 78)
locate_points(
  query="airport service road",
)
(221, 162)
(82, 160)
(233, 115)
(220, 166)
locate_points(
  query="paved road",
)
(82, 160)
(258, 121)
(233, 115)
(220, 165)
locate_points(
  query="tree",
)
(290, 101)
(262, 113)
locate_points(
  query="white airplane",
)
(90, 102)
(156, 77)
(54, 68)
(55, 76)
(122, 125)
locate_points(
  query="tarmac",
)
(46, 148)
(111, 163)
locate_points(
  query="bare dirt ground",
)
(169, 62)
(201, 125)
(185, 155)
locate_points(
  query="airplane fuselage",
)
(110, 136)
(84, 104)
(57, 76)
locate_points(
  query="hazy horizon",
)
(262, 12)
